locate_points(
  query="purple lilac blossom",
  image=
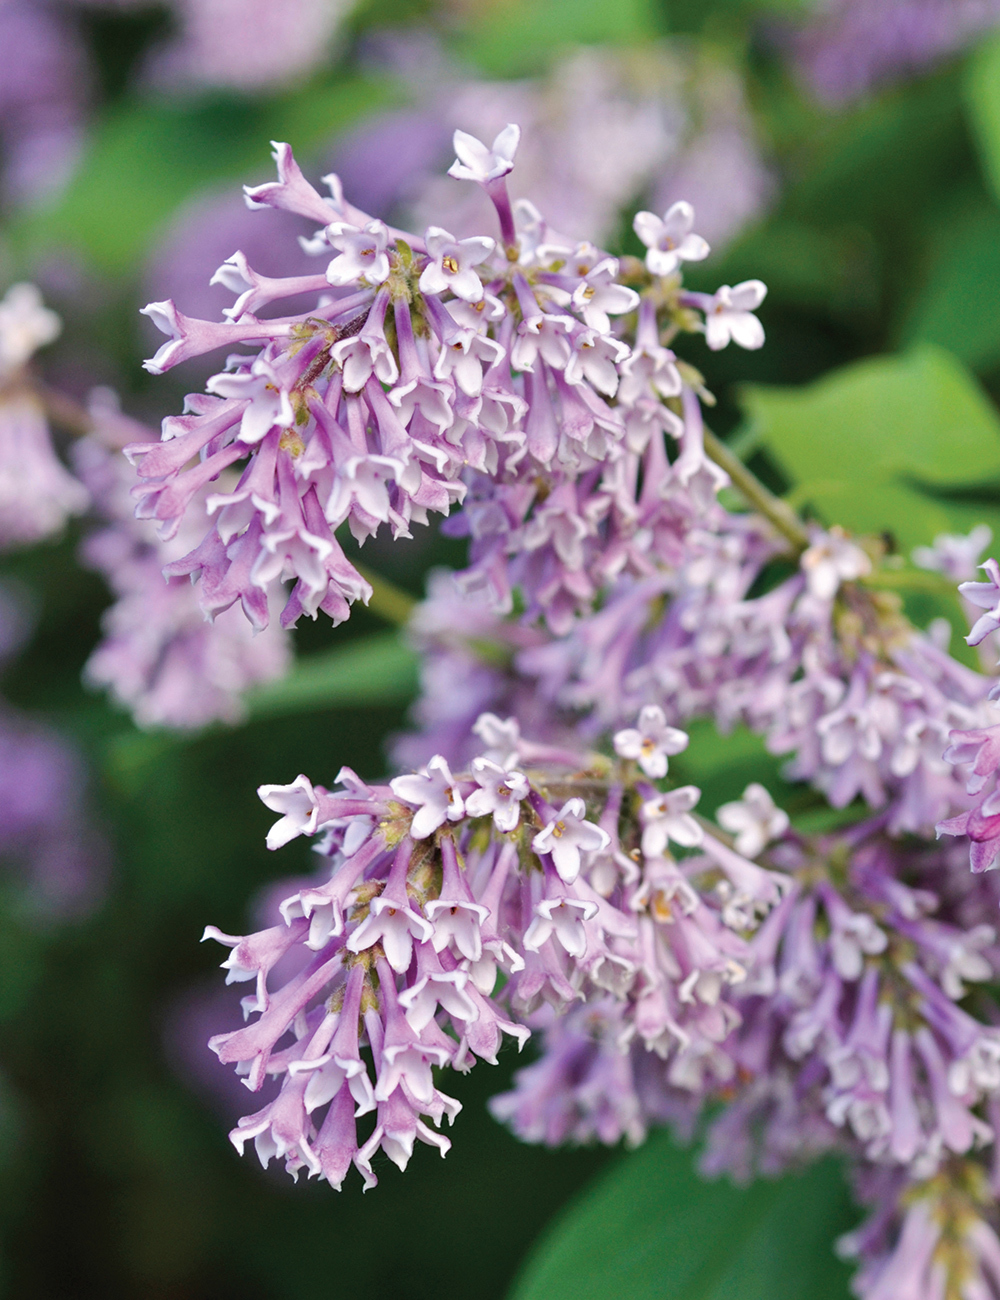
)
(825, 991)
(159, 656)
(422, 909)
(479, 385)
(853, 46)
(44, 85)
(247, 44)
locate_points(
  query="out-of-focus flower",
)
(247, 44)
(44, 87)
(851, 46)
(37, 493)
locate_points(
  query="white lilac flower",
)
(669, 238)
(453, 263)
(651, 742)
(669, 818)
(501, 736)
(261, 385)
(562, 918)
(570, 839)
(298, 806)
(754, 820)
(500, 793)
(26, 324)
(434, 795)
(363, 255)
(595, 357)
(598, 296)
(476, 162)
(729, 316)
(832, 559)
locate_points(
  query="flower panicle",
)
(426, 363)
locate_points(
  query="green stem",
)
(784, 519)
(388, 601)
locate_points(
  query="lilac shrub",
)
(538, 870)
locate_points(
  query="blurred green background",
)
(860, 180)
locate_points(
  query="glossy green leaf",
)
(879, 444)
(652, 1229)
(377, 669)
(146, 158)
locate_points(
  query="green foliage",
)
(652, 1229)
(877, 445)
(376, 669)
(982, 93)
(518, 37)
(956, 304)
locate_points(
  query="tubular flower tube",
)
(430, 367)
(436, 884)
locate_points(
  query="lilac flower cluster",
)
(826, 986)
(549, 866)
(430, 364)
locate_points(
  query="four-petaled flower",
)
(434, 794)
(669, 818)
(475, 162)
(729, 315)
(669, 238)
(754, 820)
(570, 839)
(500, 793)
(299, 808)
(563, 918)
(598, 296)
(652, 742)
(501, 736)
(453, 263)
(363, 253)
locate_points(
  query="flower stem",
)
(388, 601)
(781, 515)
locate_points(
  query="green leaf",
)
(982, 98)
(878, 444)
(957, 303)
(516, 37)
(145, 158)
(377, 669)
(651, 1229)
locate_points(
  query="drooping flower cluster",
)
(548, 866)
(428, 360)
(825, 985)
